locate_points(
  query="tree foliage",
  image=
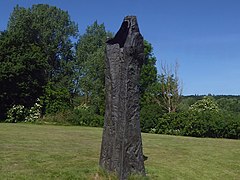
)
(148, 75)
(90, 66)
(231, 104)
(22, 72)
(36, 48)
(205, 104)
(48, 27)
(171, 89)
(150, 111)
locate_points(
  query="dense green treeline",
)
(50, 73)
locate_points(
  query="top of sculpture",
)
(132, 23)
(128, 26)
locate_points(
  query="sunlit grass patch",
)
(71, 152)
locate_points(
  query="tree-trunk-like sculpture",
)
(121, 149)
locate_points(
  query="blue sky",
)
(202, 35)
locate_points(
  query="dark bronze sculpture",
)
(121, 149)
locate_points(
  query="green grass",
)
(70, 152)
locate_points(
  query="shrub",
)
(149, 116)
(16, 114)
(60, 118)
(205, 104)
(85, 116)
(19, 113)
(82, 116)
(232, 128)
(34, 112)
(171, 123)
(200, 124)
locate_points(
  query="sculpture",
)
(121, 149)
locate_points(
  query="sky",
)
(203, 36)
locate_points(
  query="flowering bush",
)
(205, 104)
(16, 114)
(19, 113)
(34, 112)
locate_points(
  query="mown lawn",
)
(30, 151)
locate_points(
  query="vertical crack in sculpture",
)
(121, 149)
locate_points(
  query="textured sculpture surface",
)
(121, 149)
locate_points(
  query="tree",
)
(48, 27)
(22, 72)
(231, 104)
(91, 64)
(148, 74)
(171, 89)
(150, 110)
(35, 49)
(186, 102)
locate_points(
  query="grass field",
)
(69, 152)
